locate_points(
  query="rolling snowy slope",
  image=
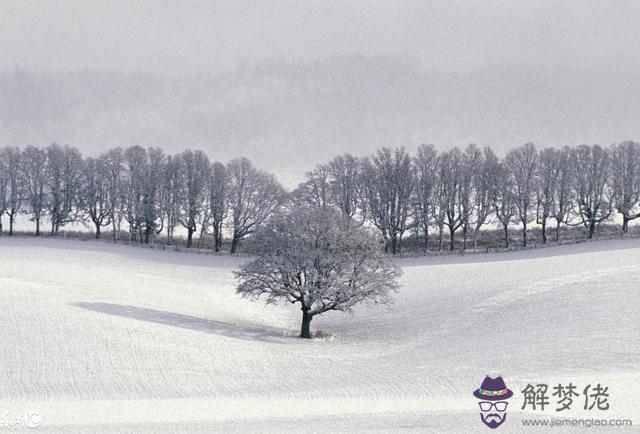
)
(98, 337)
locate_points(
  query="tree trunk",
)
(464, 238)
(97, 231)
(305, 330)
(544, 231)
(475, 237)
(506, 235)
(440, 232)
(234, 244)
(394, 244)
(524, 234)
(203, 229)
(426, 239)
(113, 228)
(592, 229)
(189, 237)
(452, 237)
(37, 226)
(11, 224)
(169, 233)
(557, 230)
(625, 224)
(216, 238)
(1, 230)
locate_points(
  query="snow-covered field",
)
(98, 337)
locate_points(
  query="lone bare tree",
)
(319, 259)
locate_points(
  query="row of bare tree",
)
(462, 191)
(454, 192)
(149, 191)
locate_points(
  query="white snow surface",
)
(101, 337)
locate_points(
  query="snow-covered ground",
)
(98, 337)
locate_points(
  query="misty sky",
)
(185, 36)
(581, 48)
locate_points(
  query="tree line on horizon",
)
(145, 193)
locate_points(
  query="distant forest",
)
(436, 199)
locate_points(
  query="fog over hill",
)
(288, 115)
(292, 83)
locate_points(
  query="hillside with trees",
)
(437, 200)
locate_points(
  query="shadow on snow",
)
(185, 321)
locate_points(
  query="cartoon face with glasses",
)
(493, 413)
(493, 395)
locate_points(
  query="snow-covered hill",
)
(99, 337)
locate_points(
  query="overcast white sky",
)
(184, 36)
(495, 72)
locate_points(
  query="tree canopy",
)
(319, 259)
